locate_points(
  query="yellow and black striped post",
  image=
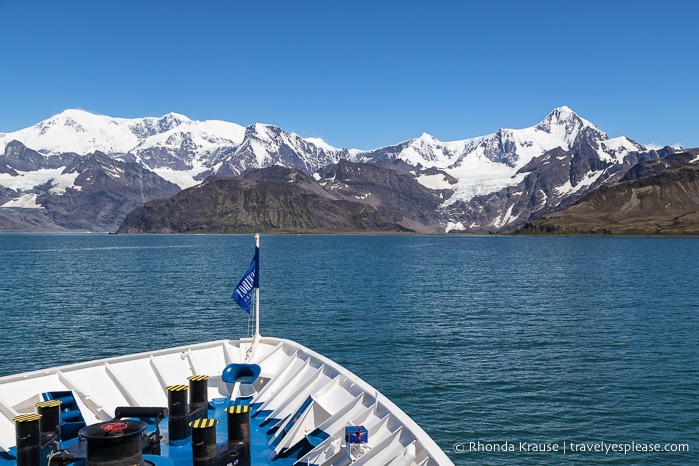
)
(238, 423)
(50, 420)
(28, 437)
(199, 393)
(238, 417)
(203, 441)
(178, 418)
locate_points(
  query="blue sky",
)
(359, 74)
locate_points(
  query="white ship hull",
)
(303, 400)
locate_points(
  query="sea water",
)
(506, 350)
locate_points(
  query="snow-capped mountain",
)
(185, 152)
(488, 163)
(81, 132)
(512, 147)
(267, 145)
(93, 192)
(172, 145)
(180, 150)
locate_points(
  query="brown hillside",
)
(659, 198)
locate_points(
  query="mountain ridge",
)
(266, 200)
(655, 197)
(484, 182)
(213, 147)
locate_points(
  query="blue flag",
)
(242, 294)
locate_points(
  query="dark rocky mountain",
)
(18, 157)
(391, 188)
(550, 183)
(655, 197)
(22, 219)
(344, 197)
(92, 193)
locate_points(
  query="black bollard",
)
(178, 419)
(28, 436)
(238, 417)
(198, 394)
(50, 420)
(204, 441)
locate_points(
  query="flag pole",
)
(257, 293)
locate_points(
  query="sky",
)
(358, 74)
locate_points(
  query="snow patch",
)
(454, 226)
(507, 218)
(26, 181)
(567, 188)
(183, 179)
(114, 172)
(64, 181)
(438, 181)
(25, 201)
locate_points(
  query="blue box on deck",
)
(356, 434)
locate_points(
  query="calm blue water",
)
(485, 341)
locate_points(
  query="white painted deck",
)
(291, 375)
